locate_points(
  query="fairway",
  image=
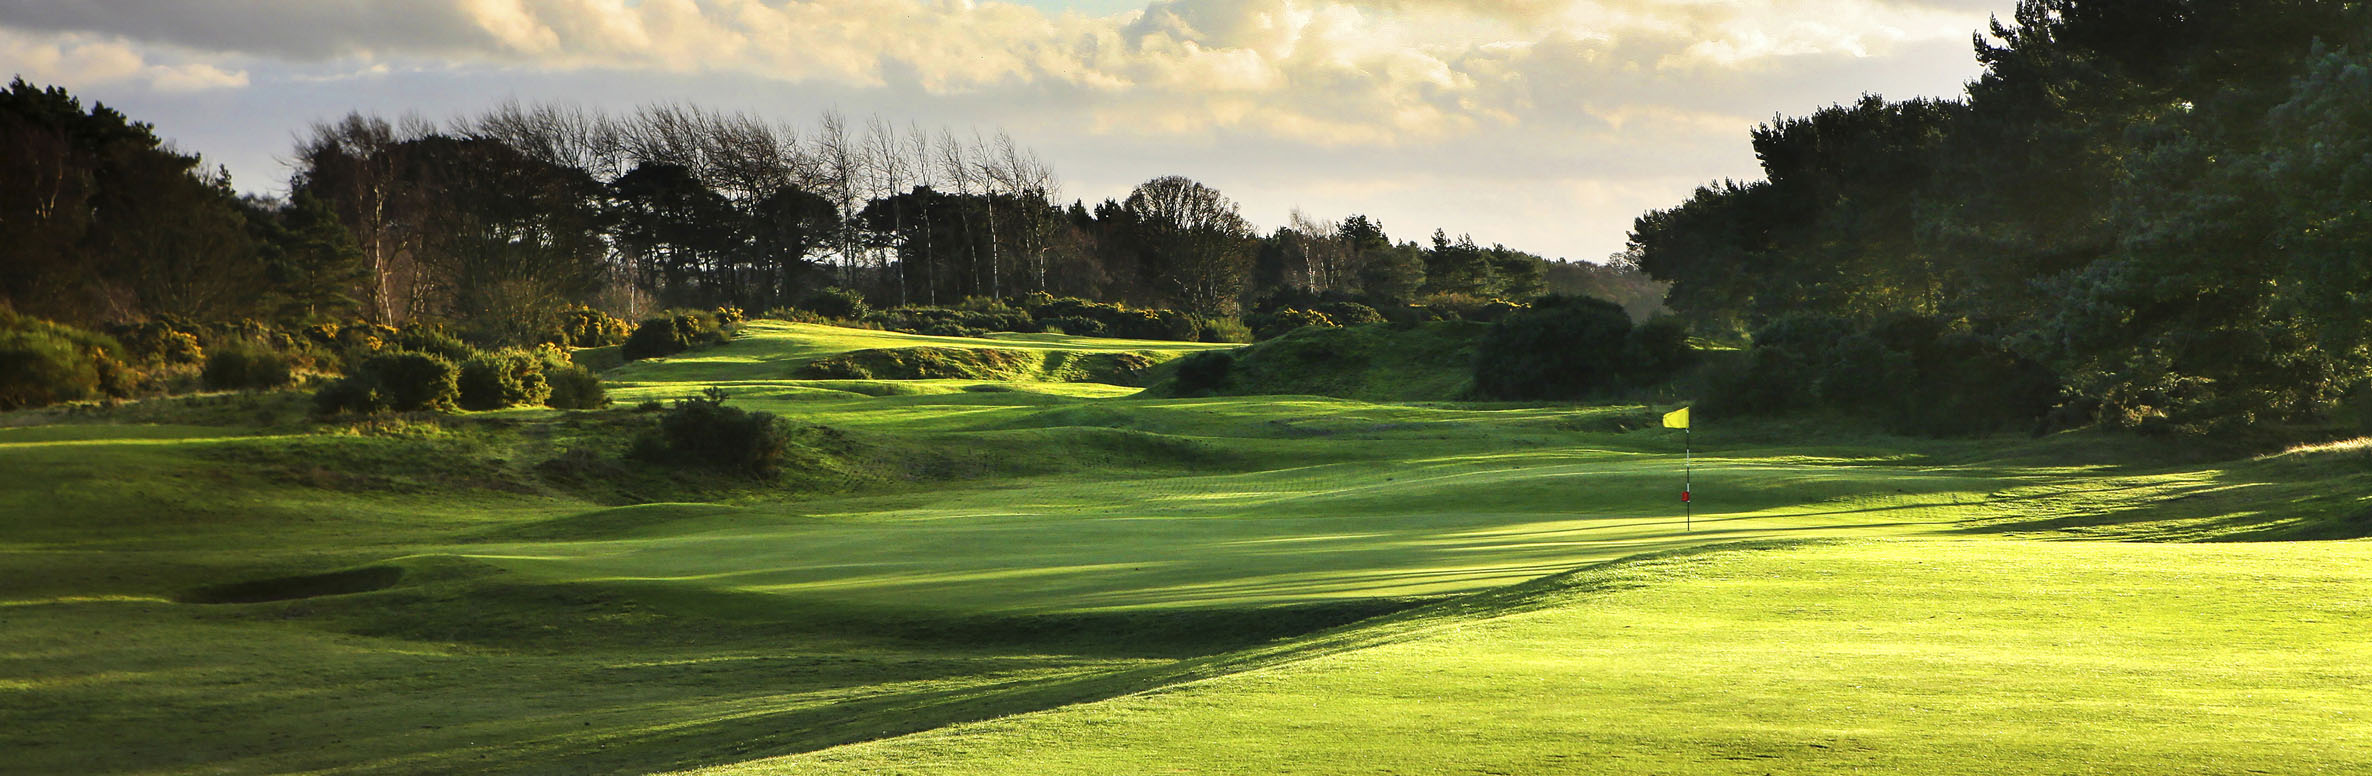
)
(1063, 577)
(1903, 657)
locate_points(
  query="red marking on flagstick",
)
(1684, 496)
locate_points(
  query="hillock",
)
(1430, 361)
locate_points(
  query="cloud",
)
(1371, 68)
(1627, 95)
(89, 59)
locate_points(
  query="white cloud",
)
(94, 60)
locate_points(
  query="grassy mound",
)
(1375, 362)
(938, 363)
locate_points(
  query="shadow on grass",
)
(2253, 501)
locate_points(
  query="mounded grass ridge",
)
(1431, 361)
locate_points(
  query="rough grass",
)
(1229, 584)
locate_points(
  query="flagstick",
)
(1688, 481)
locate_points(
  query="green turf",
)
(218, 584)
(1896, 657)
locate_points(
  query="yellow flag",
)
(1677, 418)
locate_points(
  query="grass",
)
(992, 576)
(1902, 656)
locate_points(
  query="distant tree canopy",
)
(101, 221)
(2164, 203)
(499, 225)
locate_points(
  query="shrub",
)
(433, 341)
(43, 363)
(728, 315)
(835, 302)
(952, 322)
(509, 378)
(247, 365)
(37, 368)
(1916, 374)
(160, 342)
(1659, 348)
(1498, 309)
(364, 338)
(585, 327)
(1117, 320)
(575, 388)
(704, 432)
(403, 381)
(347, 395)
(1224, 330)
(1350, 313)
(923, 363)
(1566, 347)
(1204, 373)
(1075, 325)
(795, 315)
(1276, 324)
(1461, 307)
(414, 381)
(669, 335)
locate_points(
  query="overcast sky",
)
(1546, 125)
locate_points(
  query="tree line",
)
(2157, 215)
(497, 224)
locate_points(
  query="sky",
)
(1544, 125)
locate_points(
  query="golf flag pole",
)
(1688, 467)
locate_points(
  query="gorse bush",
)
(44, 363)
(795, 315)
(507, 378)
(1223, 330)
(247, 365)
(38, 368)
(1276, 324)
(575, 388)
(835, 303)
(1077, 326)
(1349, 313)
(402, 381)
(432, 341)
(408, 381)
(585, 327)
(160, 341)
(1121, 321)
(1566, 347)
(952, 322)
(705, 433)
(1454, 307)
(924, 363)
(1204, 373)
(672, 334)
